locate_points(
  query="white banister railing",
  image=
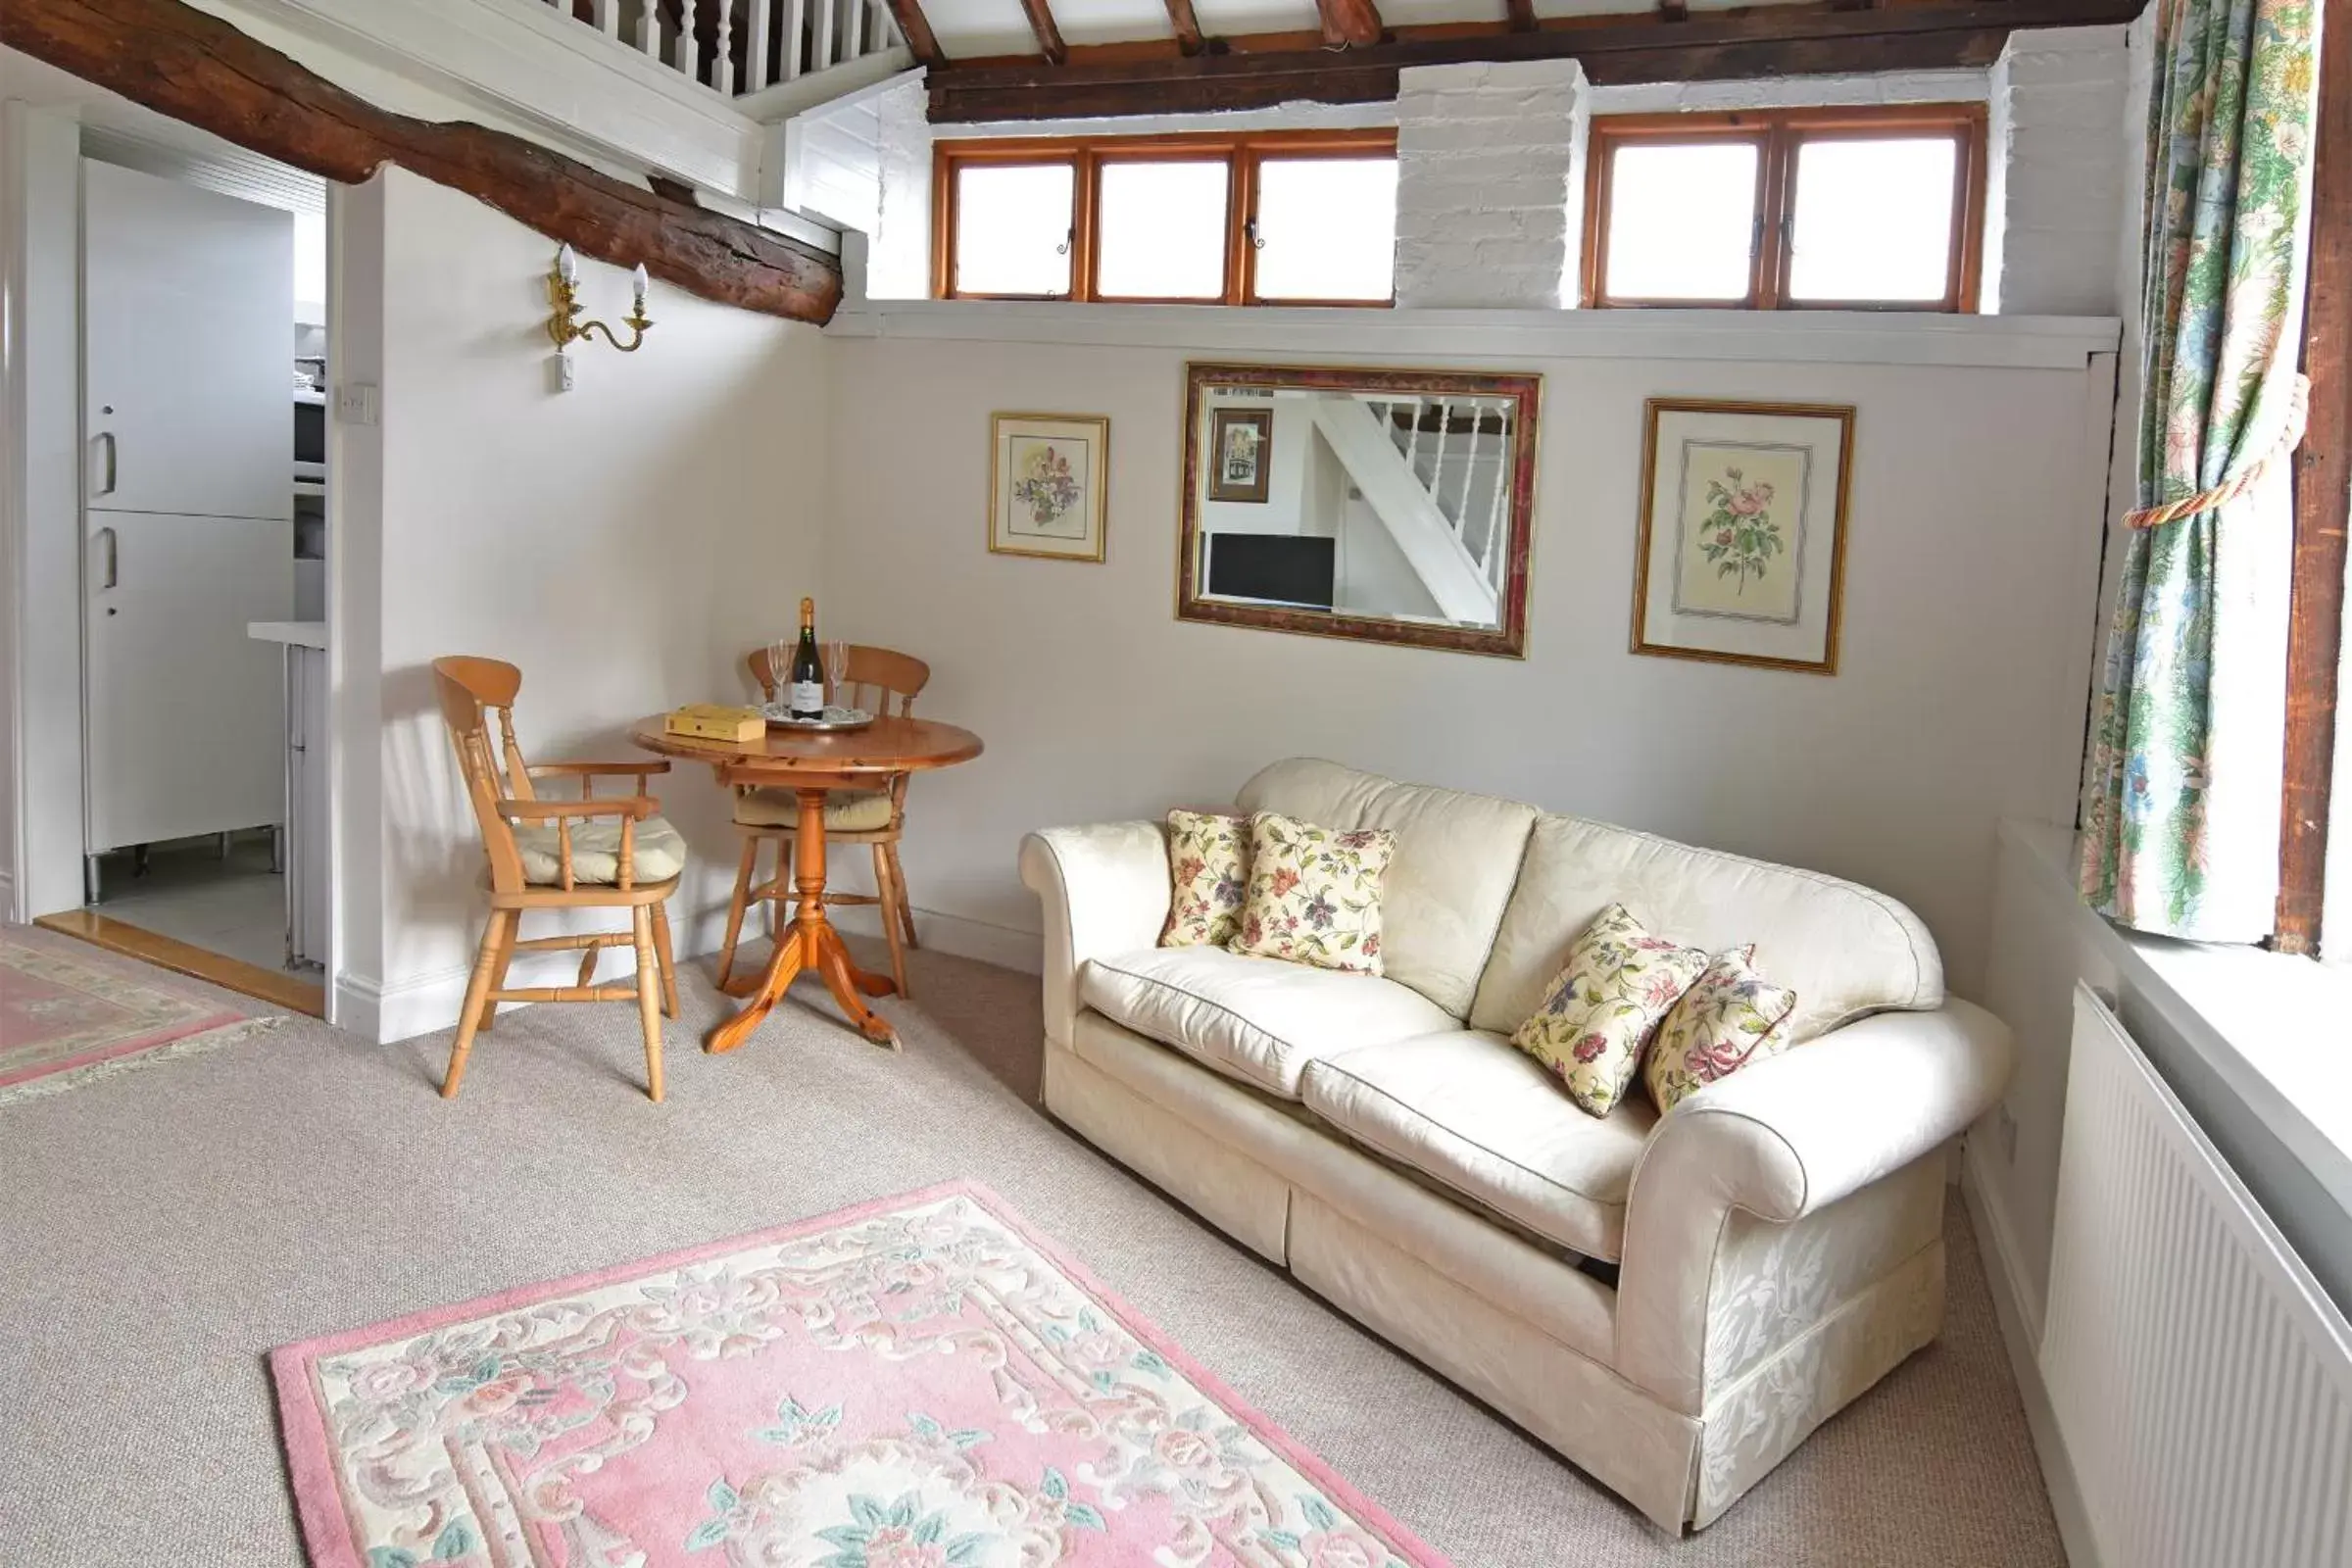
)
(1463, 463)
(737, 48)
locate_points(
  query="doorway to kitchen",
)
(202, 532)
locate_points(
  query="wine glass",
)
(837, 672)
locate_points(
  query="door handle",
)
(113, 559)
(105, 440)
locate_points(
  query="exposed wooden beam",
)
(916, 28)
(1522, 15)
(2323, 495)
(1780, 40)
(173, 58)
(1349, 24)
(1674, 9)
(1186, 25)
(1049, 36)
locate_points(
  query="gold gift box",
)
(716, 721)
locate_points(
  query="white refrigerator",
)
(188, 532)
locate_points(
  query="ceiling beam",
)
(1049, 36)
(1782, 40)
(183, 61)
(1522, 15)
(916, 28)
(1349, 24)
(1187, 28)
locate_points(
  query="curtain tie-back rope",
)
(2299, 409)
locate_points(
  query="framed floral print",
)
(1048, 478)
(1243, 449)
(1743, 549)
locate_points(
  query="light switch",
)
(359, 403)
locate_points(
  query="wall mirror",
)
(1393, 506)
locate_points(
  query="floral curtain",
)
(2181, 801)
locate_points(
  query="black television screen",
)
(1286, 569)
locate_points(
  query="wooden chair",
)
(766, 815)
(565, 854)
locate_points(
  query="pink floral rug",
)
(69, 1014)
(919, 1382)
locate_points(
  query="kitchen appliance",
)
(187, 516)
(310, 437)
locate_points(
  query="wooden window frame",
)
(1778, 135)
(1242, 155)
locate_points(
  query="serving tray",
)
(836, 717)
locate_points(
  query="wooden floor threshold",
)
(182, 958)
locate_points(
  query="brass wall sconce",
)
(567, 328)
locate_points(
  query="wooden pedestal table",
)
(811, 764)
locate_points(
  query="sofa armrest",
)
(1782, 1141)
(1105, 889)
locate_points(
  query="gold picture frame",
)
(1740, 556)
(1048, 477)
(1241, 454)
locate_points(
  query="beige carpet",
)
(163, 1229)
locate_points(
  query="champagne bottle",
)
(805, 694)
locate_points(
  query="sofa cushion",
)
(1208, 863)
(1598, 1014)
(1456, 859)
(1314, 894)
(1474, 1116)
(1729, 1019)
(1260, 1020)
(1844, 950)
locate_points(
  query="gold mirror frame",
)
(1508, 640)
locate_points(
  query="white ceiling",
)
(972, 28)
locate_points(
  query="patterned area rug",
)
(68, 1016)
(919, 1382)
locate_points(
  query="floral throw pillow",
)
(1596, 1017)
(1314, 894)
(1729, 1017)
(1210, 857)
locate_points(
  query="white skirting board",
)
(427, 1004)
(2021, 1336)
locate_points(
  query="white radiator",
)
(2202, 1381)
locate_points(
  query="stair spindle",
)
(796, 32)
(690, 16)
(722, 58)
(821, 54)
(755, 58)
(1437, 471)
(607, 17)
(1495, 513)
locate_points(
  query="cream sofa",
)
(1672, 1302)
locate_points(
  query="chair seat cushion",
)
(1485, 1120)
(661, 852)
(845, 811)
(1260, 1020)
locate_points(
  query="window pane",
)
(1163, 231)
(1326, 228)
(1681, 221)
(1012, 227)
(1873, 220)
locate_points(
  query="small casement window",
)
(1871, 207)
(1290, 219)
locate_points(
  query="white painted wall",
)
(1971, 561)
(2063, 181)
(40, 511)
(1489, 183)
(623, 543)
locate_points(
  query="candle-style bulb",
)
(567, 265)
(644, 284)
